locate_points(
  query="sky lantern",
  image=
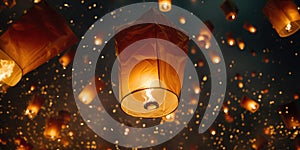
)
(283, 15)
(229, 9)
(290, 114)
(52, 128)
(249, 27)
(65, 117)
(249, 104)
(230, 39)
(259, 142)
(88, 94)
(151, 67)
(165, 5)
(204, 37)
(34, 106)
(49, 36)
(67, 57)
(241, 44)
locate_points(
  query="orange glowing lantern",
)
(283, 15)
(164, 5)
(290, 114)
(230, 39)
(68, 57)
(35, 38)
(205, 35)
(88, 93)
(150, 86)
(21, 144)
(52, 128)
(259, 142)
(296, 96)
(249, 104)
(230, 9)
(241, 44)
(170, 117)
(249, 27)
(34, 106)
(65, 117)
(9, 3)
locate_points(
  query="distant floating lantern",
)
(164, 5)
(150, 86)
(49, 36)
(240, 85)
(170, 117)
(290, 114)
(182, 20)
(230, 39)
(67, 57)
(283, 15)
(65, 117)
(88, 94)
(297, 142)
(204, 37)
(249, 27)
(230, 9)
(241, 44)
(52, 128)
(249, 104)
(10, 3)
(34, 106)
(21, 144)
(259, 142)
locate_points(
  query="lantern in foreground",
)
(21, 144)
(249, 27)
(52, 128)
(283, 15)
(249, 104)
(35, 38)
(88, 94)
(9, 3)
(290, 114)
(259, 142)
(164, 5)
(151, 67)
(34, 106)
(229, 9)
(230, 39)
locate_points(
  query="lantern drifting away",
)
(241, 44)
(67, 57)
(34, 106)
(170, 117)
(65, 117)
(21, 144)
(249, 104)
(229, 9)
(204, 37)
(88, 93)
(20, 54)
(290, 114)
(249, 27)
(164, 5)
(259, 142)
(149, 86)
(52, 128)
(283, 15)
(10, 3)
(230, 39)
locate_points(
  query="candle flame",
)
(6, 68)
(150, 102)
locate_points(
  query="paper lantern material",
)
(249, 27)
(229, 9)
(88, 94)
(67, 57)
(151, 66)
(35, 38)
(283, 15)
(52, 128)
(290, 114)
(249, 104)
(34, 106)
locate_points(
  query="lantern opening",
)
(150, 102)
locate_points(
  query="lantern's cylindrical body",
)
(88, 93)
(283, 15)
(10, 3)
(165, 5)
(259, 143)
(249, 104)
(230, 39)
(67, 57)
(290, 114)
(229, 9)
(31, 41)
(151, 67)
(52, 128)
(241, 44)
(249, 27)
(34, 106)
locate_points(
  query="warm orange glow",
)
(169, 118)
(213, 132)
(88, 93)
(165, 5)
(249, 104)
(65, 117)
(9, 3)
(249, 27)
(229, 9)
(6, 68)
(240, 85)
(182, 20)
(204, 37)
(34, 106)
(229, 118)
(68, 57)
(230, 39)
(37, 1)
(225, 109)
(296, 96)
(52, 128)
(241, 44)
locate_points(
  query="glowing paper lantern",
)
(68, 57)
(150, 86)
(164, 5)
(88, 93)
(290, 114)
(283, 15)
(230, 39)
(241, 44)
(259, 142)
(249, 27)
(9, 3)
(52, 128)
(21, 144)
(205, 35)
(65, 117)
(35, 38)
(170, 117)
(230, 9)
(249, 104)
(34, 106)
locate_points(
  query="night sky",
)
(270, 77)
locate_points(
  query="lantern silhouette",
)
(205, 35)
(249, 27)
(35, 38)
(21, 144)
(88, 93)
(259, 142)
(10, 3)
(149, 86)
(283, 15)
(229, 9)
(164, 5)
(249, 104)
(290, 114)
(67, 57)
(230, 39)
(34, 106)
(52, 128)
